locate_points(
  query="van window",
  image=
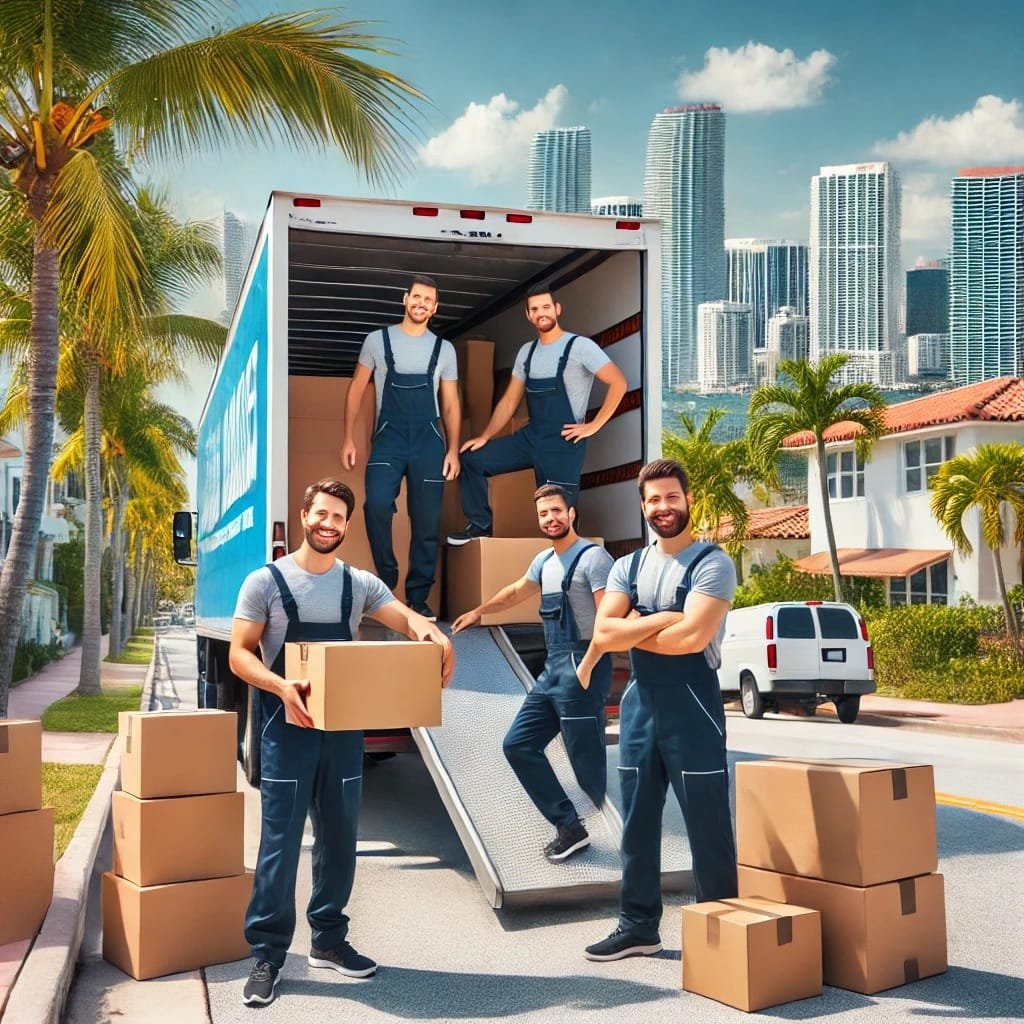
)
(796, 623)
(837, 624)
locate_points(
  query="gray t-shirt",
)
(585, 360)
(660, 575)
(412, 355)
(317, 598)
(591, 574)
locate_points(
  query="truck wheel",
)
(753, 704)
(847, 708)
(251, 738)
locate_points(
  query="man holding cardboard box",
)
(556, 373)
(571, 578)
(666, 605)
(308, 596)
(415, 373)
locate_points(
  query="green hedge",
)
(30, 657)
(782, 581)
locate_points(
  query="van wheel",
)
(847, 708)
(753, 704)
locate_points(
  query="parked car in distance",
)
(797, 653)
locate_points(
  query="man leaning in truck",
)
(415, 373)
(556, 373)
(570, 577)
(309, 595)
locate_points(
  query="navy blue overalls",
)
(304, 770)
(672, 730)
(406, 443)
(556, 703)
(538, 446)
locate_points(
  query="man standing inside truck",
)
(308, 596)
(416, 378)
(570, 578)
(666, 604)
(556, 373)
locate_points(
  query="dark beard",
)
(317, 545)
(682, 520)
(559, 536)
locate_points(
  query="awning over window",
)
(873, 561)
(8, 450)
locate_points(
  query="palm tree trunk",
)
(129, 590)
(89, 674)
(826, 508)
(1012, 633)
(117, 565)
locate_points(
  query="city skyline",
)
(559, 173)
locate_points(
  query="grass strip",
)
(92, 712)
(68, 788)
(137, 651)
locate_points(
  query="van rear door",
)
(843, 650)
(797, 642)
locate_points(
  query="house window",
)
(922, 459)
(926, 586)
(845, 474)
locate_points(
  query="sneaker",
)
(567, 841)
(343, 959)
(261, 988)
(619, 945)
(471, 532)
(424, 609)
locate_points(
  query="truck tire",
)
(847, 708)
(753, 703)
(251, 738)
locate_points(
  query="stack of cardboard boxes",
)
(176, 898)
(26, 832)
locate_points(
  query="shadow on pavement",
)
(965, 992)
(963, 832)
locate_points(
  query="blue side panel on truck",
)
(233, 534)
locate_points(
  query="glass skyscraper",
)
(235, 259)
(684, 187)
(927, 299)
(767, 274)
(725, 350)
(617, 206)
(560, 171)
(986, 274)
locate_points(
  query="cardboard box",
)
(393, 684)
(512, 504)
(872, 938)
(476, 382)
(179, 838)
(854, 822)
(751, 953)
(165, 929)
(26, 879)
(178, 753)
(21, 765)
(479, 569)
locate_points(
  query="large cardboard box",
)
(178, 838)
(751, 953)
(26, 875)
(165, 929)
(512, 504)
(872, 938)
(855, 822)
(21, 768)
(392, 684)
(479, 569)
(178, 753)
(476, 382)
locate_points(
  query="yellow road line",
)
(985, 806)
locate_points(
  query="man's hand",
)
(293, 695)
(465, 620)
(451, 467)
(348, 453)
(577, 432)
(474, 444)
(584, 669)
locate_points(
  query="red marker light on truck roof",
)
(472, 214)
(628, 225)
(303, 201)
(424, 211)
(518, 218)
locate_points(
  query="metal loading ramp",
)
(501, 830)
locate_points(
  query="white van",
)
(797, 652)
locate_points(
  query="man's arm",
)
(451, 414)
(403, 619)
(503, 412)
(697, 628)
(353, 402)
(242, 660)
(611, 375)
(507, 597)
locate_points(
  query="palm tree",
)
(811, 403)
(296, 78)
(988, 479)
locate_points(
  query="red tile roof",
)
(999, 400)
(873, 561)
(786, 522)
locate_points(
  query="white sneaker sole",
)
(457, 542)
(260, 1000)
(622, 954)
(556, 857)
(331, 965)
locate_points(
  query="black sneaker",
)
(261, 988)
(424, 609)
(343, 959)
(567, 841)
(471, 532)
(619, 945)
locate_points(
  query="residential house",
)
(770, 532)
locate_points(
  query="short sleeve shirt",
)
(412, 355)
(548, 569)
(585, 360)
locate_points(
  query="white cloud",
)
(926, 218)
(491, 141)
(991, 131)
(758, 77)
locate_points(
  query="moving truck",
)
(324, 272)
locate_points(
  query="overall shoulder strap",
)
(287, 600)
(434, 356)
(346, 597)
(529, 359)
(389, 355)
(570, 572)
(565, 355)
(705, 549)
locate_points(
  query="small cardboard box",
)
(476, 381)
(751, 953)
(26, 879)
(166, 929)
(178, 838)
(21, 765)
(849, 821)
(479, 569)
(178, 753)
(512, 504)
(392, 684)
(872, 938)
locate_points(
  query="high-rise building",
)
(235, 255)
(928, 356)
(560, 171)
(768, 274)
(927, 299)
(725, 351)
(986, 274)
(617, 206)
(684, 187)
(856, 275)
(788, 338)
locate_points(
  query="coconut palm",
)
(989, 480)
(70, 71)
(811, 402)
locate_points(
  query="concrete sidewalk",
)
(991, 721)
